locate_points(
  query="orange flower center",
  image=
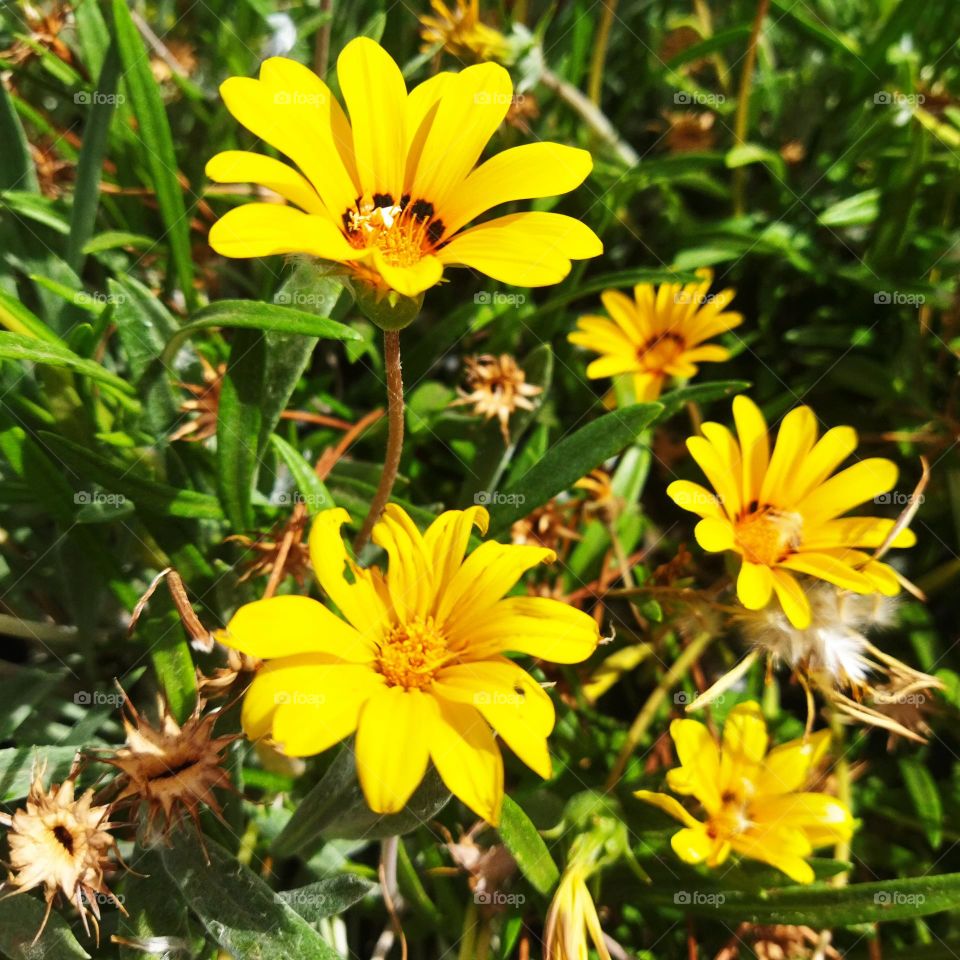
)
(403, 232)
(766, 535)
(731, 819)
(661, 350)
(411, 653)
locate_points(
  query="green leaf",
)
(328, 897)
(21, 918)
(163, 636)
(677, 399)
(857, 211)
(15, 346)
(239, 417)
(566, 462)
(336, 809)
(96, 130)
(526, 845)
(240, 912)
(157, 152)
(310, 488)
(18, 319)
(119, 478)
(17, 765)
(17, 171)
(251, 314)
(925, 795)
(748, 153)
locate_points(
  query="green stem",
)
(391, 464)
(599, 59)
(743, 105)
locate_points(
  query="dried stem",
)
(599, 59)
(391, 465)
(743, 104)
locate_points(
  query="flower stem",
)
(599, 58)
(743, 104)
(648, 711)
(391, 464)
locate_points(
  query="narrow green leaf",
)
(699, 393)
(18, 319)
(157, 154)
(328, 897)
(925, 795)
(526, 845)
(163, 636)
(17, 171)
(21, 918)
(250, 314)
(566, 462)
(240, 912)
(310, 488)
(17, 765)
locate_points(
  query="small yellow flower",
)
(571, 918)
(782, 511)
(389, 191)
(416, 666)
(659, 334)
(461, 32)
(750, 796)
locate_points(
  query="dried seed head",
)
(171, 770)
(496, 386)
(62, 844)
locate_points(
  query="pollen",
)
(661, 350)
(411, 653)
(768, 536)
(403, 232)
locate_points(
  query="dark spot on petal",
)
(435, 231)
(404, 200)
(422, 209)
(346, 220)
(383, 199)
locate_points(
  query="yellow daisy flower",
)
(416, 664)
(461, 32)
(750, 797)
(389, 191)
(571, 918)
(782, 511)
(659, 334)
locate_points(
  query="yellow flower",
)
(782, 512)
(659, 334)
(459, 29)
(571, 917)
(389, 191)
(416, 666)
(750, 797)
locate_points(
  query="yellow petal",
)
(795, 440)
(264, 229)
(358, 600)
(822, 818)
(792, 598)
(695, 498)
(700, 760)
(669, 805)
(486, 575)
(754, 585)
(868, 532)
(715, 534)
(849, 488)
(520, 173)
(728, 450)
(446, 541)
(412, 279)
(744, 744)
(709, 460)
(239, 166)
(754, 445)
(538, 626)
(693, 844)
(829, 452)
(787, 767)
(472, 106)
(512, 702)
(422, 103)
(825, 567)
(711, 353)
(766, 849)
(634, 325)
(610, 366)
(393, 736)
(287, 625)
(376, 98)
(468, 760)
(529, 249)
(409, 576)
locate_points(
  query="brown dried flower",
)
(496, 386)
(205, 404)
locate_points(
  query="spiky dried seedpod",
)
(62, 844)
(497, 387)
(171, 770)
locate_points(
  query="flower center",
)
(403, 232)
(733, 817)
(661, 350)
(411, 653)
(767, 535)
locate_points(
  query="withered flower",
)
(281, 552)
(497, 386)
(778, 941)
(205, 404)
(63, 844)
(689, 131)
(550, 525)
(602, 501)
(171, 770)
